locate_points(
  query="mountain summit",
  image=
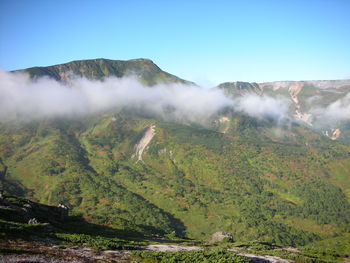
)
(144, 69)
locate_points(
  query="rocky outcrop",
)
(25, 211)
(33, 221)
(333, 134)
(221, 236)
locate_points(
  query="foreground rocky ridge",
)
(24, 242)
(35, 242)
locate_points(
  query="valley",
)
(271, 182)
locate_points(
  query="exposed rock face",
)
(306, 117)
(143, 143)
(313, 89)
(336, 134)
(333, 135)
(223, 124)
(294, 90)
(221, 236)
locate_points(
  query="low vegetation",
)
(198, 256)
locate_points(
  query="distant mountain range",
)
(311, 102)
(285, 183)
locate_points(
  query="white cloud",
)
(334, 112)
(263, 106)
(25, 99)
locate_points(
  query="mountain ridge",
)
(309, 100)
(147, 71)
(150, 61)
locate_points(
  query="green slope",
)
(282, 184)
(253, 185)
(143, 69)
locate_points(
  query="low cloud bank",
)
(26, 99)
(335, 112)
(263, 107)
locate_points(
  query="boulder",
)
(33, 221)
(221, 236)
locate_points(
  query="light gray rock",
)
(33, 221)
(221, 236)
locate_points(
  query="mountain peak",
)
(143, 69)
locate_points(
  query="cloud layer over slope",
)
(25, 99)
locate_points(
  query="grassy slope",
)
(143, 69)
(250, 183)
(55, 228)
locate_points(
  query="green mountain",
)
(143, 69)
(284, 184)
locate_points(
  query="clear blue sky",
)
(203, 41)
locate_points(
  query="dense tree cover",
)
(324, 203)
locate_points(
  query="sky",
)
(208, 42)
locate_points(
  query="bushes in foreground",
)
(214, 255)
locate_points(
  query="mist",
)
(264, 107)
(26, 99)
(337, 111)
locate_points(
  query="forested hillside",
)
(257, 179)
